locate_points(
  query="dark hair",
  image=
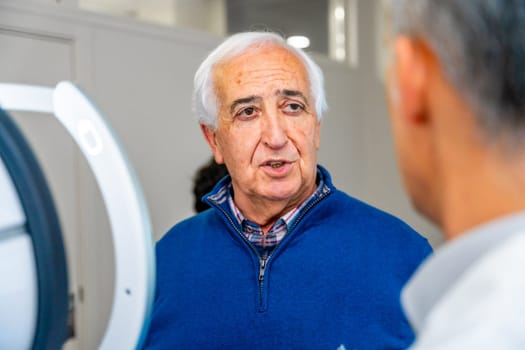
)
(481, 45)
(204, 180)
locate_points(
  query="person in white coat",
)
(455, 86)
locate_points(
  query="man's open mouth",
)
(275, 164)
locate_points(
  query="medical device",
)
(33, 270)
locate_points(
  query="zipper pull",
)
(262, 268)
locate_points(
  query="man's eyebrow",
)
(244, 100)
(292, 93)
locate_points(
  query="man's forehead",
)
(254, 72)
(269, 50)
(263, 60)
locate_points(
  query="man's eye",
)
(293, 108)
(247, 113)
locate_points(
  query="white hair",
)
(206, 104)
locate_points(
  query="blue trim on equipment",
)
(44, 228)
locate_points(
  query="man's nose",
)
(274, 133)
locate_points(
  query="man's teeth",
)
(275, 164)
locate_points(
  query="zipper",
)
(263, 260)
(262, 269)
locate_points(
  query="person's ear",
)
(411, 69)
(211, 138)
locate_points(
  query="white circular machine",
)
(33, 270)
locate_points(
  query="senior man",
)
(457, 98)
(283, 260)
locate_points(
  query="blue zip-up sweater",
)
(333, 282)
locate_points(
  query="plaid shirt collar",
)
(254, 233)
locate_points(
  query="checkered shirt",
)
(264, 243)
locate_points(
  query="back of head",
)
(204, 97)
(481, 47)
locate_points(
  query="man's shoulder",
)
(343, 204)
(346, 205)
(189, 228)
(499, 267)
(343, 212)
(486, 303)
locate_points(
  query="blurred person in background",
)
(204, 180)
(456, 91)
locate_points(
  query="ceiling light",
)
(299, 41)
(339, 13)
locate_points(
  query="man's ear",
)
(411, 76)
(210, 137)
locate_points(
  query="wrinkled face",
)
(267, 133)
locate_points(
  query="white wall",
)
(141, 77)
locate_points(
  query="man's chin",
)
(282, 193)
(279, 197)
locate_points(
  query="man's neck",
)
(492, 188)
(265, 212)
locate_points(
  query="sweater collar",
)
(218, 197)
